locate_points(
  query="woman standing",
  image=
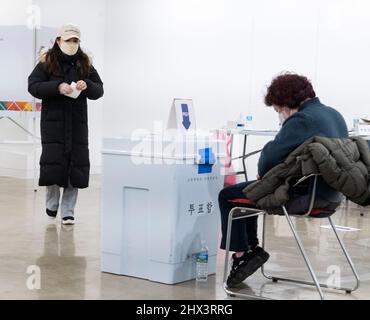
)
(64, 161)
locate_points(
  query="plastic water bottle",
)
(202, 264)
(249, 121)
(356, 126)
(240, 122)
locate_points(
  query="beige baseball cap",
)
(69, 31)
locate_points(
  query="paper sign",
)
(76, 93)
(182, 116)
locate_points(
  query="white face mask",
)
(282, 118)
(69, 48)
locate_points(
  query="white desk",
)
(13, 146)
(246, 133)
(262, 133)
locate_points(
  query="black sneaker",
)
(51, 214)
(261, 253)
(68, 221)
(246, 265)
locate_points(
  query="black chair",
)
(246, 209)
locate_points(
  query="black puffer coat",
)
(64, 124)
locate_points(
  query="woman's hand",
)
(65, 88)
(81, 85)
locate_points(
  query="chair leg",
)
(318, 285)
(264, 246)
(228, 240)
(226, 264)
(347, 257)
(303, 252)
(347, 290)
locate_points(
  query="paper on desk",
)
(75, 93)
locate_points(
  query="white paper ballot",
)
(76, 93)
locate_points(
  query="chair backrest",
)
(315, 196)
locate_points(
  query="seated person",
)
(303, 116)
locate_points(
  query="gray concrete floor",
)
(69, 258)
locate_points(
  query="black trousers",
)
(244, 232)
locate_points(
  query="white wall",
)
(344, 50)
(159, 50)
(14, 12)
(223, 54)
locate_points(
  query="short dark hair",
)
(289, 90)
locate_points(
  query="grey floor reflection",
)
(63, 275)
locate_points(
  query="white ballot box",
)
(159, 201)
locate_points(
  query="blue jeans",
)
(244, 232)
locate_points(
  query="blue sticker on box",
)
(207, 161)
